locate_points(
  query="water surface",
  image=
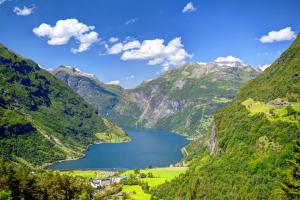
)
(147, 147)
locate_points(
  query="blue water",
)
(147, 147)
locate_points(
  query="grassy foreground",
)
(88, 173)
(136, 192)
(160, 175)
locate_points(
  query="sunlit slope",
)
(42, 119)
(257, 142)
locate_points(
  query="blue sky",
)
(207, 30)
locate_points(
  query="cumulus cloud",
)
(86, 40)
(113, 39)
(115, 49)
(64, 30)
(120, 47)
(25, 11)
(131, 45)
(115, 82)
(264, 67)
(277, 36)
(228, 59)
(189, 7)
(157, 53)
(154, 51)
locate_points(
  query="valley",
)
(150, 100)
(256, 124)
(182, 100)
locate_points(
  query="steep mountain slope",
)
(253, 150)
(41, 119)
(182, 100)
(103, 96)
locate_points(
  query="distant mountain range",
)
(41, 119)
(182, 100)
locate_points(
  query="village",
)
(113, 187)
(99, 183)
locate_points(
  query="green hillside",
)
(41, 119)
(253, 149)
(17, 182)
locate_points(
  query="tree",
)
(84, 196)
(5, 195)
(290, 187)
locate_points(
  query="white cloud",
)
(131, 45)
(115, 49)
(264, 67)
(113, 39)
(25, 11)
(189, 7)
(154, 51)
(277, 36)
(131, 21)
(86, 40)
(159, 54)
(120, 47)
(115, 82)
(228, 59)
(66, 29)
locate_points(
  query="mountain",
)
(182, 100)
(41, 119)
(102, 96)
(253, 149)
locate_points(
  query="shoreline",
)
(83, 154)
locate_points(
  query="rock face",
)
(211, 143)
(104, 97)
(181, 100)
(184, 99)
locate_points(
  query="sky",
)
(128, 41)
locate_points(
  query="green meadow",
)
(287, 113)
(88, 173)
(160, 175)
(135, 192)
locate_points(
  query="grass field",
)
(88, 173)
(136, 192)
(161, 175)
(273, 113)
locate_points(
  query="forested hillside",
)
(41, 119)
(21, 183)
(256, 137)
